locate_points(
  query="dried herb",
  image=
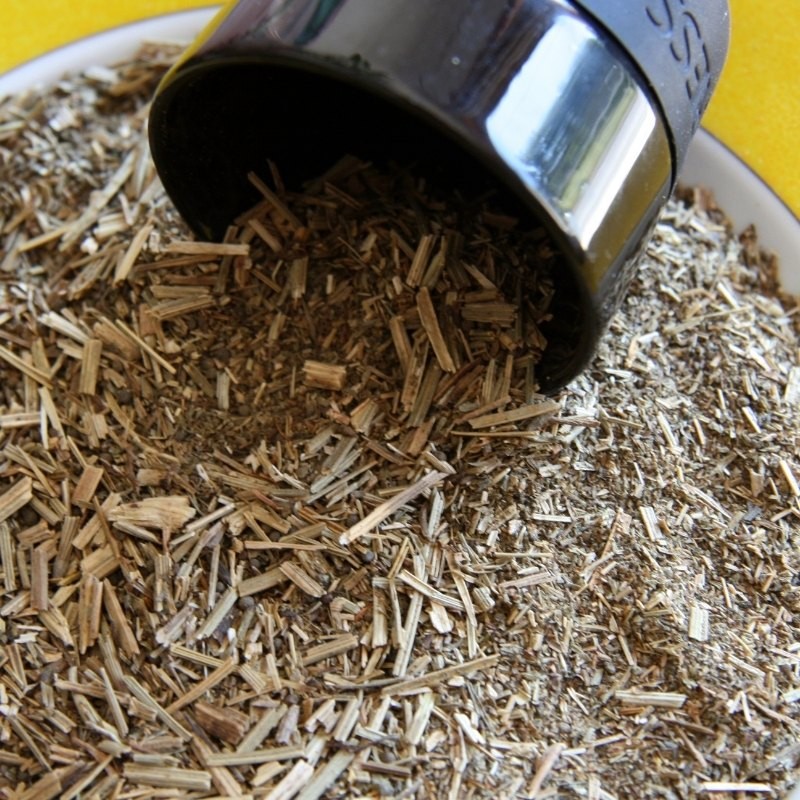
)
(285, 517)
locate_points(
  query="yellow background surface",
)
(756, 110)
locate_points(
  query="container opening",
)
(218, 122)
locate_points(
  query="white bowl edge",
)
(746, 199)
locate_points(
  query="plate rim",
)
(754, 173)
(75, 48)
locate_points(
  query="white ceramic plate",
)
(739, 191)
(746, 200)
(743, 196)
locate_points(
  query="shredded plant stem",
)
(286, 517)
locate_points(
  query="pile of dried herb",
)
(285, 517)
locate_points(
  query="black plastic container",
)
(582, 111)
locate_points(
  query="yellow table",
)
(756, 110)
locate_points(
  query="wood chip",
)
(438, 676)
(297, 278)
(788, 475)
(324, 376)
(514, 416)
(15, 498)
(192, 780)
(421, 257)
(285, 753)
(657, 699)
(301, 579)
(546, 765)
(7, 559)
(430, 323)
(280, 207)
(330, 649)
(325, 776)
(84, 491)
(229, 725)
(141, 694)
(119, 622)
(434, 594)
(167, 514)
(217, 615)
(209, 249)
(39, 578)
(698, 623)
(126, 263)
(202, 687)
(711, 787)
(22, 366)
(386, 509)
(90, 366)
(297, 777)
